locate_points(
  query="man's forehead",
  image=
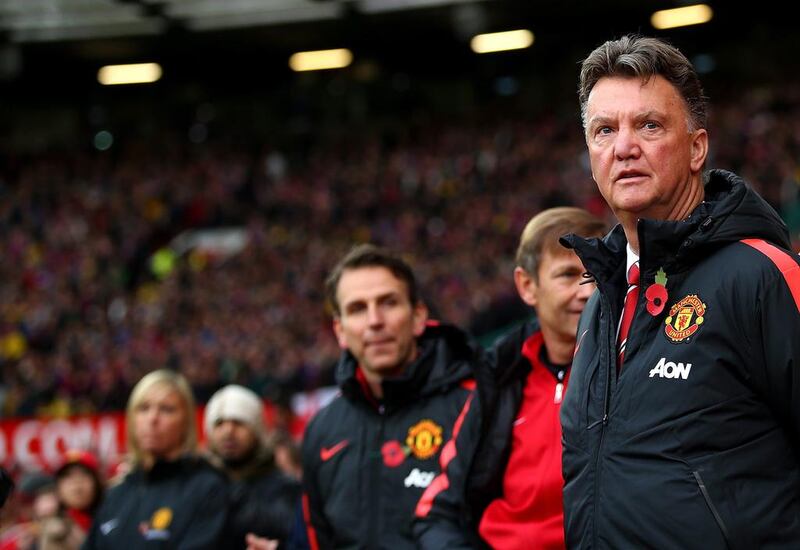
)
(364, 283)
(557, 255)
(232, 419)
(641, 96)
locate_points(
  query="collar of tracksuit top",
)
(677, 245)
(443, 361)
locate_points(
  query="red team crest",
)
(685, 318)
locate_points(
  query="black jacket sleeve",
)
(779, 323)
(319, 530)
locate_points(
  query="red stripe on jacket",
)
(787, 266)
(312, 534)
(449, 452)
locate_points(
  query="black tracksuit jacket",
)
(366, 464)
(181, 504)
(695, 444)
(484, 445)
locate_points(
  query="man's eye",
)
(603, 130)
(650, 125)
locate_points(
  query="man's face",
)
(377, 322)
(642, 153)
(557, 295)
(232, 440)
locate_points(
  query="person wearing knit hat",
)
(263, 500)
(231, 406)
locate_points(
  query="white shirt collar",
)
(632, 257)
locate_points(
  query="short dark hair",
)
(644, 57)
(543, 230)
(369, 255)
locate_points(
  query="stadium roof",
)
(213, 41)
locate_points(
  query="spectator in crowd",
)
(502, 489)
(85, 313)
(369, 455)
(683, 416)
(38, 502)
(80, 490)
(170, 496)
(263, 500)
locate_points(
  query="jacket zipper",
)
(603, 422)
(714, 512)
(376, 462)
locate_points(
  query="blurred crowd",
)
(244, 479)
(84, 314)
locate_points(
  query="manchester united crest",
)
(424, 439)
(685, 318)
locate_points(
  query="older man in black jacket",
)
(682, 423)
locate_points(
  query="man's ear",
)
(527, 288)
(699, 149)
(339, 332)
(420, 318)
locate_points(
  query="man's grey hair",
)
(641, 57)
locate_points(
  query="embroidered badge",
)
(424, 439)
(161, 519)
(156, 529)
(685, 318)
(656, 294)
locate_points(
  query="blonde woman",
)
(170, 498)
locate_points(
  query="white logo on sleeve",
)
(419, 479)
(108, 526)
(668, 369)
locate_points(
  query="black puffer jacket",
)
(366, 464)
(483, 446)
(695, 444)
(179, 504)
(263, 501)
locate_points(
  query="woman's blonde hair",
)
(175, 382)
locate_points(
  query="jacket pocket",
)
(710, 503)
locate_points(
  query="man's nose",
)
(585, 291)
(626, 144)
(374, 315)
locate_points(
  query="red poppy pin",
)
(656, 294)
(393, 453)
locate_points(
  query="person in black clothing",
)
(263, 500)
(171, 498)
(681, 426)
(504, 483)
(405, 383)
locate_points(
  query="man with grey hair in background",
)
(263, 501)
(682, 423)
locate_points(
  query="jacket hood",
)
(730, 212)
(445, 357)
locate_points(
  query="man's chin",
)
(385, 366)
(236, 461)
